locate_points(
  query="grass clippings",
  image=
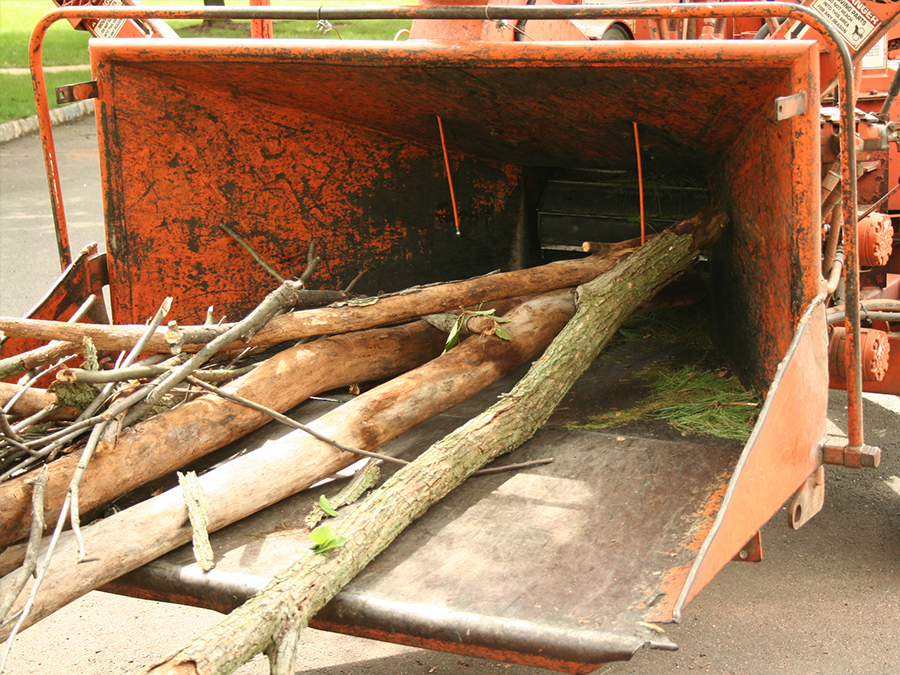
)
(692, 400)
(699, 398)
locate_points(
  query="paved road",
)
(826, 599)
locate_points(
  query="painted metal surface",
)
(357, 164)
(555, 567)
(752, 550)
(565, 566)
(784, 449)
(890, 382)
(86, 276)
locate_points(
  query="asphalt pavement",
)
(825, 599)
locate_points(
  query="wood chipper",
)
(504, 137)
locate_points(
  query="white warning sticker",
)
(853, 20)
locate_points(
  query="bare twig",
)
(41, 356)
(132, 355)
(7, 431)
(31, 381)
(144, 372)
(74, 430)
(284, 419)
(197, 507)
(513, 467)
(312, 262)
(22, 363)
(34, 419)
(22, 615)
(284, 295)
(75, 483)
(355, 281)
(364, 479)
(34, 544)
(256, 256)
(26, 609)
(10, 437)
(111, 421)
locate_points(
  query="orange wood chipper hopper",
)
(532, 112)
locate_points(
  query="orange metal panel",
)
(783, 451)
(288, 141)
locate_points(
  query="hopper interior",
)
(291, 141)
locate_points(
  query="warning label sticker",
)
(852, 18)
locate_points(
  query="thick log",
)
(387, 309)
(135, 536)
(271, 618)
(171, 439)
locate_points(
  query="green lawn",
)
(65, 46)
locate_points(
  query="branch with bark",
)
(354, 315)
(271, 620)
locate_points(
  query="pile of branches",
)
(118, 440)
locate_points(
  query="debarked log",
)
(171, 439)
(270, 620)
(351, 316)
(135, 536)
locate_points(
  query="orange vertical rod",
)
(35, 58)
(449, 176)
(637, 147)
(260, 28)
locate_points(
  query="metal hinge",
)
(69, 93)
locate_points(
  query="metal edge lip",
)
(519, 635)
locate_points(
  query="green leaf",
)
(453, 337)
(326, 506)
(322, 534)
(334, 543)
(325, 539)
(502, 334)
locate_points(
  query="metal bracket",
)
(70, 93)
(858, 457)
(809, 499)
(789, 106)
(751, 551)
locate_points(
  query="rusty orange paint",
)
(507, 656)
(784, 449)
(890, 384)
(261, 28)
(181, 151)
(86, 276)
(674, 580)
(295, 141)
